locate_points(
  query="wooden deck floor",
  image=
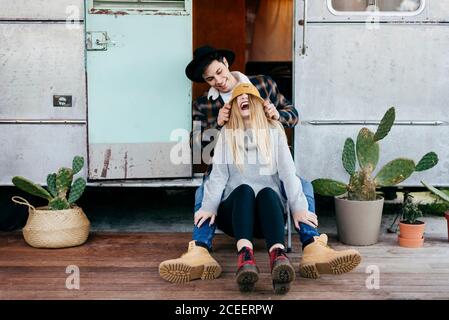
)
(124, 266)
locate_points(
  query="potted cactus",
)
(358, 205)
(444, 197)
(61, 223)
(411, 230)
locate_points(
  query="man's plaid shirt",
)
(206, 110)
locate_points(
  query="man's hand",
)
(223, 114)
(270, 110)
(306, 217)
(201, 216)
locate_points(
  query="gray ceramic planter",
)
(358, 222)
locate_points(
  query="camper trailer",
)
(105, 79)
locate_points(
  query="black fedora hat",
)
(194, 70)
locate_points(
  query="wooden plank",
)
(125, 266)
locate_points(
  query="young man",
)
(211, 65)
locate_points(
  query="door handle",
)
(98, 41)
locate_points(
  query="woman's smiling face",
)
(243, 104)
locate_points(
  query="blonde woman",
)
(212, 109)
(243, 194)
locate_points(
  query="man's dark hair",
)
(209, 59)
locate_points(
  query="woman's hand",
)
(201, 216)
(306, 217)
(270, 110)
(223, 114)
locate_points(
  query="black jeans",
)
(243, 215)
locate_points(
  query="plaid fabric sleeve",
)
(199, 121)
(199, 114)
(288, 113)
(204, 113)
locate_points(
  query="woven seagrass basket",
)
(54, 228)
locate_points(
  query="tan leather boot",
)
(194, 264)
(318, 258)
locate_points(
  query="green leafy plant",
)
(440, 193)
(59, 185)
(362, 184)
(410, 210)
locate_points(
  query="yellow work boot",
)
(194, 264)
(318, 258)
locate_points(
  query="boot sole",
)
(246, 278)
(282, 274)
(335, 266)
(182, 273)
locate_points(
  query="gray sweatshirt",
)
(225, 175)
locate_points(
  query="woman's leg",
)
(270, 217)
(235, 217)
(270, 212)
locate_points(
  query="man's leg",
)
(202, 236)
(306, 232)
(317, 256)
(196, 262)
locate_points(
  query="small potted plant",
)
(358, 206)
(444, 197)
(61, 223)
(411, 230)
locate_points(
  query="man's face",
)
(218, 76)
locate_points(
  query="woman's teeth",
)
(245, 106)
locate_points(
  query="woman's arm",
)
(216, 182)
(287, 174)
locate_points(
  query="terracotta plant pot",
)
(358, 222)
(446, 214)
(411, 235)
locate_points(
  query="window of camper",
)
(111, 6)
(380, 7)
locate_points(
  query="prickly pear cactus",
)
(77, 190)
(362, 185)
(385, 124)
(63, 181)
(59, 185)
(394, 172)
(428, 161)
(367, 150)
(77, 164)
(58, 204)
(348, 157)
(51, 184)
(329, 187)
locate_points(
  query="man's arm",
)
(287, 112)
(203, 113)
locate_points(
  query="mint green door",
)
(139, 99)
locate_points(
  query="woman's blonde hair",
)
(260, 126)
